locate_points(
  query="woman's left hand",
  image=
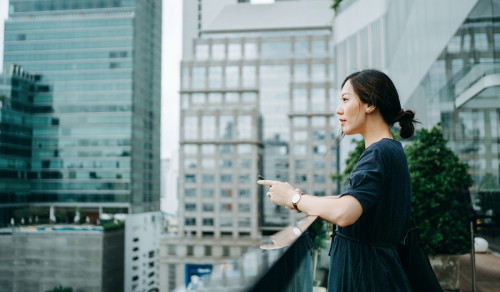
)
(281, 193)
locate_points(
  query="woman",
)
(373, 210)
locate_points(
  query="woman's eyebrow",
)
(345, 93)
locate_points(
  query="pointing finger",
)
(266, 182)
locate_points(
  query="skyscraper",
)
(96, 136)
(256, 98)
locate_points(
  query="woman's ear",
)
(370, 109)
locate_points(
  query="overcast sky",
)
(171, 55)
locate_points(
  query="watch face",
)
(295, 198)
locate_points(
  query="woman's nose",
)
(339, 109)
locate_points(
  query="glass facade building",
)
(445, 62)
(96, 123)
(461, 91)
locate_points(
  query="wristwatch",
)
(295, 200)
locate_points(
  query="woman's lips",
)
(342, 122)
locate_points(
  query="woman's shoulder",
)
(384, 149)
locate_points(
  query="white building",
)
(142, 245)
(256, 98)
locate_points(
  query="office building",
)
(443, 58)
(96, 122)
(17, 89)
(43, 257)
(256, 98)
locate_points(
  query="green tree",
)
(438, 176)
(352, 159)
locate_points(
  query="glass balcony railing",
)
(286, 261)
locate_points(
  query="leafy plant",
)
(438, 176)
(352, 159)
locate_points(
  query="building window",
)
(226, 127)
(190, 178)
(243, 207)
(250, 50)
(300, 136)
(208, 178)
(232, 76)
(249, 76)
(215, 77)
(244, 193)
(226, 251)
(300, 149)
(319, 178)
(318, 100)
(226, 221)
(276, 50)
(244, 178)
(318, 121)
(226, 149)
(190, 149)
(208, 127)
(171, 250)
(318, 135)
(190, 250)
(190, 163)
(249, 97)
(318, 49)
(300, 122)
(244, 222)
(226, 178)
(244, 163)
(319, 164)
(299, 100)
(226, 163)
(190, 221)
(207, 193)
(226, 207)
(300, 164)
(207, 149)
(190, 193)
(190, 207)
(218, 51)
(208, 250)
(232, 97)
(319, 149)
(226, 193)
(234, 51)
(244, 149)
(198, 78)
(202, 52)
(300, 72)
(301, 49)
(171, 277)
(318, 72)
(208, 221)
(190, 127)
(208, 207)
(208, 163)
(244, 127)
(215, 97)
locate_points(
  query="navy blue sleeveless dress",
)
(364, 255)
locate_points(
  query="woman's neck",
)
(376, 130)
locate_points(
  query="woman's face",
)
(351, 111)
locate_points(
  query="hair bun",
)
(406, 119)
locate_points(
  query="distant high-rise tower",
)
(96, 136)
(256, 98)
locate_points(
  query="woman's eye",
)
(344, 99)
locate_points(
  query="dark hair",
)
(376, 88)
